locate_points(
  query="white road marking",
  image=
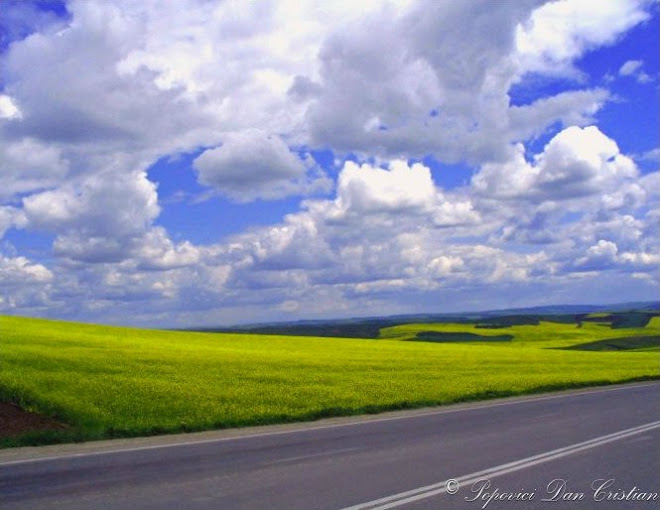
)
(427, 491)
(459, 408)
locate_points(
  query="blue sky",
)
(206, 163)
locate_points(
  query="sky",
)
(197, 162)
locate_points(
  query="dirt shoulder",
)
(14, 421)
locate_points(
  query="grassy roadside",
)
(118, 382)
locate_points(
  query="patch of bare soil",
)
(14, 421)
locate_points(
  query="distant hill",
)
(369, 327)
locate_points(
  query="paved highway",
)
(595, 449)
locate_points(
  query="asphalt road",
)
(593, 449)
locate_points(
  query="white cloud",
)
(601, 254)
(436, 81)
(455, 212)
(29, 166)
(606, 254)
(367, 247)
(252, 164)
(10, 217)
(157, 251)
(366, 189)
(651, 155)
(435, 58)
(96, 218)
(511, 179)
(576, 162)
(193, 71)
(574, 108)
(443, 265)
(634, 68)
(101, 204)
(650, 183)
(386, 229)
(24, 285)
(559, 32)
(582, 162)
(89, 102)
(641, 260)
(630, 67)
(16, 270)
(8, 109)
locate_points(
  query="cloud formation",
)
(577, 162)
(251, 164)
(348, 118)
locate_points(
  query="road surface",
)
(592, 449)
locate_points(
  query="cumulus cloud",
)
(97, 217)
(547, 43)
(8, 109)
(601, 254)
(436, 89)
(252, 164)
(98, 204)
(576, 162)
(455, 212)
(578, 191)
(24, 284)
(606, 254)
(10, 217)
(21, 270)
(210, 68)
(364, 189)
(420, 63)
(581, 162)
(574, 108)
(385, 229)
(157, 252)
(29, 165)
